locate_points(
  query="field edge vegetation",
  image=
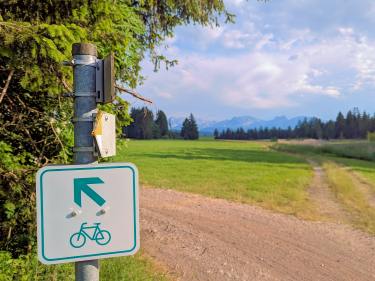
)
(140, 267)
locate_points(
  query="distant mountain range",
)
(245, 122)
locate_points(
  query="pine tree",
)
(340, 126)
(329, 130)
(143, 125)
(216, 134)
(193, 128)
(155, 131)
(185, 129)
(161, 121)
(189, 130)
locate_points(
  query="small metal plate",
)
(105, 134)
(99, 81)
(109, 79)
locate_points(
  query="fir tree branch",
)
(133, 93)
(14, 25)
(5, 89)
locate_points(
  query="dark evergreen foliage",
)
(142, 126)
(189, 130)
(162, 123)
(216, 133)
(355, 125)
(145, 127)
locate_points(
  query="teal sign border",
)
(92, 168)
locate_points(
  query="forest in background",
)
(353, 125)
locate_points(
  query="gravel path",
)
(199, 238)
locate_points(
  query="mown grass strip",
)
(341, 182)
(365, 169)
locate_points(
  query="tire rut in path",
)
(200, 238)
(363, 186)
(324, 198)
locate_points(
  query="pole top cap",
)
(84, 49)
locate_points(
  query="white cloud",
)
(212, 33)
(304, 86)
(165, 95)
(264, 41)
(235, 39)
(236, 3)
(203, 37)
(346, 31)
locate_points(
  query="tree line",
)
(146, 126)
(353, 125)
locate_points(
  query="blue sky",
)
(281, 57)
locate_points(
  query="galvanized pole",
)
(84, 56)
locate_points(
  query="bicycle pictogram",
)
(94, 233)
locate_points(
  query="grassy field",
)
(246, 172)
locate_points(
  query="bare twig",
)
(9, 233)
(28, 107)
(33, 144)
(5, 89)
(66, 85)
(59, 140)
(133, 93)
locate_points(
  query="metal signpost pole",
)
(84, 56)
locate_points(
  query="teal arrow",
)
(82, 185)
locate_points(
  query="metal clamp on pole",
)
(82, 119)
(84, 94)
(86, 62)
(84, 149)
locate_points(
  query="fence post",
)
(84, 70)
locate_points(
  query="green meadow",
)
(247, 172)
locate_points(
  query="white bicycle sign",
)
(100, 236)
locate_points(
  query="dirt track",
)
(211, 239)
(322, 195)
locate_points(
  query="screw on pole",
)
(84, 61)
